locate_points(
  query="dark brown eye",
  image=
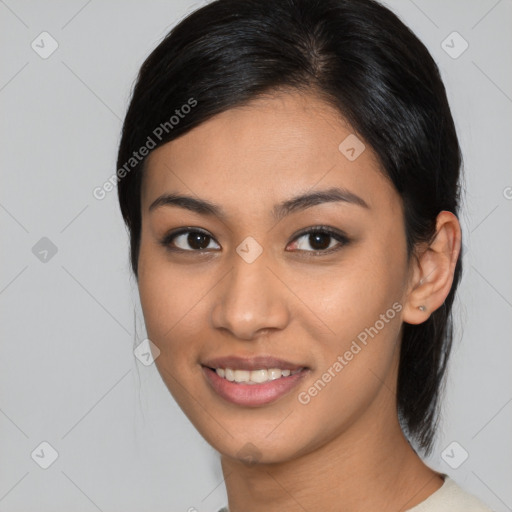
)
(188, 240)
(198, 240)
(319, 240)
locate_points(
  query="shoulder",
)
(450, 497)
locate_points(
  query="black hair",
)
(359, 57)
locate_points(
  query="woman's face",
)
(241, 280)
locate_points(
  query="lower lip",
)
(252, 395)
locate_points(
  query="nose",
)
(251, 301)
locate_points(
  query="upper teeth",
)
(254, 376)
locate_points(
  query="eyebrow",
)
(301, 202)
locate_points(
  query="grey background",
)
(68, 375)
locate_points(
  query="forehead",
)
(273, 147)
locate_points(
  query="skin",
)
(344, 450)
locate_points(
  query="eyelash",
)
(324, 230)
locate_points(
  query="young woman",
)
(289, 174)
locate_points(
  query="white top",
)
(450, 497)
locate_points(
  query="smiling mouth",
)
(253, 388)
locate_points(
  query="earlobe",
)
(433, 272)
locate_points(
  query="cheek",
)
(361, 303)
(171, 302)
(355, 294)
(174, 315)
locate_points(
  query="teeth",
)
(274, 374)
(242, 375)
(259, 376)
(255, 376)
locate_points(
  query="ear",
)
(432, 271)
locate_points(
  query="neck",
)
(370, 466)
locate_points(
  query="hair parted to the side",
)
(358, 56)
